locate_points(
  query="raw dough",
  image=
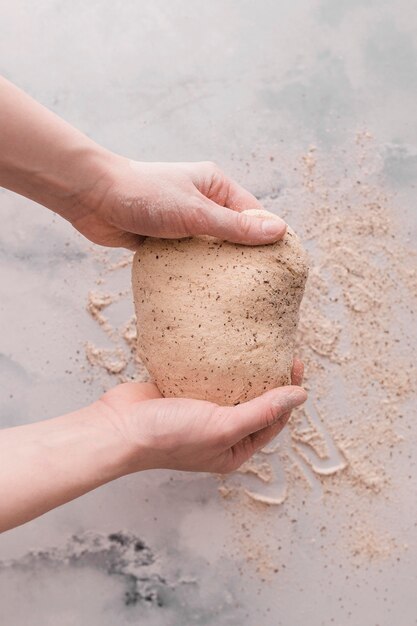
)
(216, 320)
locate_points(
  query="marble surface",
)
(235, 82)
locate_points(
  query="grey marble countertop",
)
(250, 85)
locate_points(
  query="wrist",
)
(78, 192)
(84, 206)
(111, 452)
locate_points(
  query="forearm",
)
(46, 464)
(44, 158)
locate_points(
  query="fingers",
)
(254, 442)
(263, 437)
(227, 193)
(297, 372)
(225, 201)
(263, 412)
(238, 227)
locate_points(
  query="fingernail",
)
(273, 227)
(292, 398)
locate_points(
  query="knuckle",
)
(270, 416)
(245, 224)
(210, 167)
(198, 219)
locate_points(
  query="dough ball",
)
(216, 320)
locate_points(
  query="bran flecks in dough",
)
(217, 320)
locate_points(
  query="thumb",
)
(240, 227)
(264, 411)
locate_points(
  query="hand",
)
(195, 435)
(131, 428)
(169, 200)
(114, 201)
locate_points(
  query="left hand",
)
(194, 435)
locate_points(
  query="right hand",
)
(194, 435)
(132, 199)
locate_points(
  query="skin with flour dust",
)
(131, 428)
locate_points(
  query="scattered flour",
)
(350, 334)
(112, 360)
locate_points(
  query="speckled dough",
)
(216, 321)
